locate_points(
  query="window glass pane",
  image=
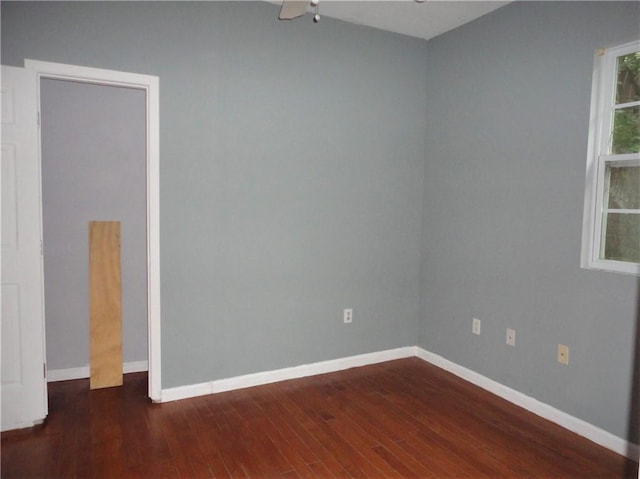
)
(628, 76)
(622, 237)
(626, 130)
(624, 187)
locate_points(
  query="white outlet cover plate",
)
(476, 326)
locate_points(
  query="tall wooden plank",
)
(105, 304)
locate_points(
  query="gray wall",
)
(291, 169)
(508, 111)
(93, 169)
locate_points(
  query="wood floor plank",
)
(400, 419)
(302, 427)
(350, 428)
(456, 422)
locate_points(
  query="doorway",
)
(93, 169)
(57, 81)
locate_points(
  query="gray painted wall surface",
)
(93, 169)
(508, 113)
(290, 174)
(292, 161)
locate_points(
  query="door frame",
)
(150, 84)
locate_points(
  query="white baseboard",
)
(266, 377)
(54, 375)
(580, 427)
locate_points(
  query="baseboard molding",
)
(580, 427)
(266, 377)
(54, 375)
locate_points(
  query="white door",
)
(23, 387)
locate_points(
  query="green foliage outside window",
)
(626, 125)
(622, 228)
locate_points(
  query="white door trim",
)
(151, 85)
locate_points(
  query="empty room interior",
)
(375, 246)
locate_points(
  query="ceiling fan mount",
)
(296, 8)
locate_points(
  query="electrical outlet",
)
(476, 326)
(511, 337)
(347, 315)
(563, 354)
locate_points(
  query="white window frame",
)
(599, 155)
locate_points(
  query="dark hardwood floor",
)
(403, 418)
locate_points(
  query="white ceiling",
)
(422, 20)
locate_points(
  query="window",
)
(611, 232)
